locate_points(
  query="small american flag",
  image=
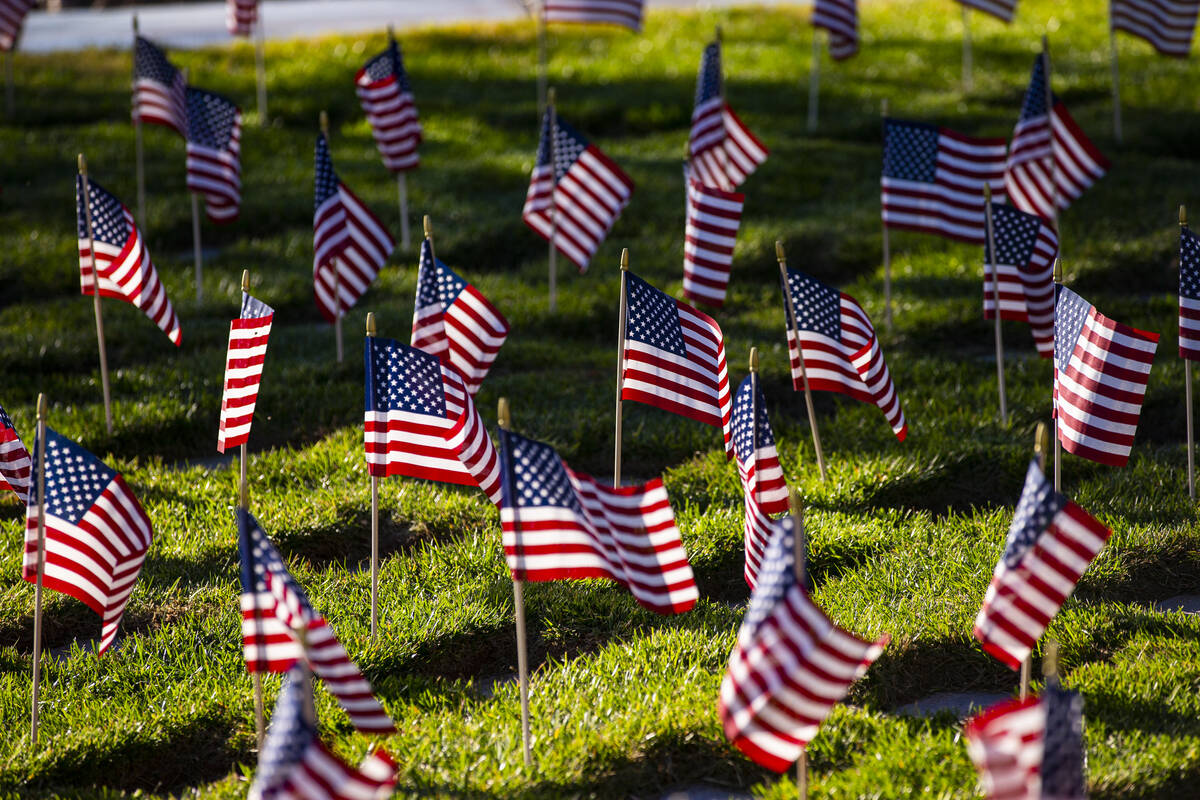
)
(790, 666)
(575, 194)
(1000, 9)
(240, 16)
(1189, 295)
(295, 765)
(420, 420)
(933, 179)
(840, 18)
(1050, 544)
(387, 100)
(1039, 173)
(275, 609)
(1100, 373)
(243, 371)
(350, 244)
(1167, 25)
(97, 534)
(1024, 261)
(122, 260)
(841, 352)
(12, 15)
(675, 358)
(713, 217)
(159, 91)
(14, 459)
(722, 152)
(455, 322)
(214, 148)
(1032, 748)
(562, 525)
(765, 490)
(626, 13)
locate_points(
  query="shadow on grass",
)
(907, 672)
(67, 621)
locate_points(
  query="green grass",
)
(903, 537)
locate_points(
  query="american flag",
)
(1100, 373)
(575, 194)
(841, 352)
(387, 100)
(122, 260)
(562, 525)
(933, 179)
(1050, 544)
(350, 244)
(275, 611)
(713, 217)
(14, 459)
(1032, 748)
(840, 18)
(1024, 260)
(1189, 295)
(722, 152)
(12, 15)
(626, 13)
(240, 16)
(420, 420)
(295, 764)
(159, 91)
(455, 322)
(758, 467)
(1166, 24)
(1000, 9)
(243, 371)
(97, 534)
(1037, 174)
(214, 148)
(790, 665)
(675, 358)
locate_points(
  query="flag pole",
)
(1116, 75)
(87, 213)
(622, 319)
(543, 67)
(337, 277)
(41, 566)
(814, 80)
(794, 330)
(887, 249)
(1050, 125)
(402, 192)
(1057, 422)
(375, 504)
(260, 67)
(8, 81)
(1187, 395)
(991, 248)
(505, 420)
(1050, 663)
(754, 410)
(968, 76)
(196, 246)
(1041, 451)
(137, 146)
(800, 566)
(550, 96)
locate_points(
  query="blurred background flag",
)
(12, 15)
(722, 152)
(840, 18)
(387, 99)
(1002, 10)
(713, 217)
(1168, 25)
(14, 459)
(159, 90)
(214, 147)
(626, 13)
(240, 16)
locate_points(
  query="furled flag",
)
(350, 244)
(1189, 295)
(765, 490)
(1038, 176)
(713, 217)
(122, 260)
(722, 152)
(455, 322)
(626, 13)
(1100, 373)
(841, 352)
(159, 90)
(933, 179)
(790, 664)
(14, 459)
(387, 100)
(1050, 544)
(240, 16)
(12, 16)
(1167, 25)
(1024, 262)
(97, 534)
(559, 524)
(575, 194)
(243, 371)
(674, 358)
(214, 153)
(280, 627)
(1031, 749)
(295, 765)
(840, 18)
(420, 420)
(1002, 10)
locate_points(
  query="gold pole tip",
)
(428, 225)
(987, 192)
(1058, 270)
(754, 359)
(624, 258)
(41, 407)
(135, 23)
(1041, 440)
(245, 280)
(1182, 215)
(82, 165)
(370, 323)
(502, 413)
(796, 503)
(324, 123)
(780, 255)
(551, 95)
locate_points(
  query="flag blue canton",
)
(1035, 96)
(1038, 506)
(403, 378)
(1070, 313)
(289, 735)
(745, 440)
(75, 478)
(388, 64)
(910, 151)
(326, 184)
(535, 475)
(776, 575)
(569, 144)
(653, 317)
(818, 307)
(449, 284)
(5, 421)
(151, 63)
(258, 556)
(210, 119)
(427, 288)
(1189, 264)
(108, 217)
(708, 82)
(1062, 753)
(253, 308)
(1015, 234)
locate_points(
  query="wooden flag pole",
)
(622, 319)
(800, 566)
(87, 213)
(1187, 395)
(794, 329)
(260, 68)
(991, 249)
(543, 61)
(1041, 450)
(196, 255)
(550, 96)
(137, 147)
(337, 273)
(1050, 124)
(814, 80)
(375, 505)
(968, 76)
(887, 249)
(1116, 75)
(41, 566)
(402, 193)
(1058, 277)
(505, 420)
(754, 409)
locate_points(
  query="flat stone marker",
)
(963, 704)
(1187, 603)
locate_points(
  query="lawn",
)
(903, 536)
